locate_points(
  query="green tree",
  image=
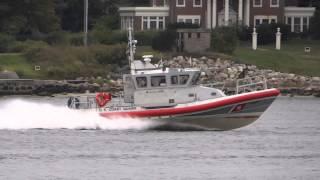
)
(71, 12)
(28, 17)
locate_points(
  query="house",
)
(209, 14)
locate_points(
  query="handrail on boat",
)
(215, 85)
(251, 84)
(243, 85)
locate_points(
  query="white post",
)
(226, 12)
(308, 22)
(240, 12)
(301, 24)
(247, 21)
(254, 39)
(292, 24)
(278, 39)
(209, 16)
(214, 13)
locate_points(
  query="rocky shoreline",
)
(218, 70)
(215, 70)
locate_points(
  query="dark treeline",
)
(33, 18)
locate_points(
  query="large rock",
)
(8, 75)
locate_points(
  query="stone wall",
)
(44, 87)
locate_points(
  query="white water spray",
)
(21, 114)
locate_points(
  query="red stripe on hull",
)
(195, 108)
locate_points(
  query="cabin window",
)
(158, 81)
(195, 79)
(141, 82)
(183, 79)
(174, 80)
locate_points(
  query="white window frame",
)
(148, 20)
(274, 5)
(193, 17)
(194, 3)
(254, 4)
(292, 25)
(181, 5)
(260, 18)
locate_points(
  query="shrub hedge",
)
(165, 40)
(68, 62)
(224, 39)
(5, 42)
(145, 37)
(266, 32)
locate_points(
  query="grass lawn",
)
(16, 62)
(291, 58)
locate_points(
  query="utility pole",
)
(85, 38)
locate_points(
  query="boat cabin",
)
(151, 85)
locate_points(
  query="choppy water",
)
(41, 139)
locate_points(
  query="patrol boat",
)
(173, 96)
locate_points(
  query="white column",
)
(292, 23)
(247, 13)
(240, 12)
(278, 39)
(254, 39)
(209, 17)
(308, 22)
(226, 12)
(301, 24)
(214, 13)
(141, 22)
(157, 23)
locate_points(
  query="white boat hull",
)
(225, 113)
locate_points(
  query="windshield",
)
(196, 78)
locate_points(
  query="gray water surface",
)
(283, 144)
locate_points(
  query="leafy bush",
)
(224, 39)
(28, 45)
(115, 54)
(145, 37)
(118, 37)
(266, 32)
(71, 62)
(110, 22)
(76, 39)
(109, 37)
(57, 37)
(5, 42)
(244, 33)
(164, 41)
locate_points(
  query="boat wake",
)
(21, 114)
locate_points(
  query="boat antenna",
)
(131, 46)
